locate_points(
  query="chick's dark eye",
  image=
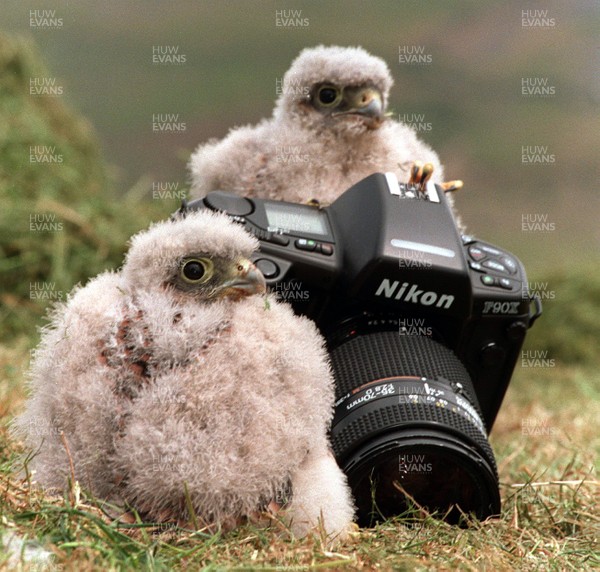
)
(193, 270)
(327, 95)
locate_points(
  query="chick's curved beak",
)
(365, 101)
(246, 280)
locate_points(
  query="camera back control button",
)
(493, 265)
(488, 280)
(476, 253)
(326, 249)
(305, 244)
(276, 238)
(267, 267)
(490, 250)
(509, 263)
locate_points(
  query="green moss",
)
(61, 220)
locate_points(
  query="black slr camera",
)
(424, 327)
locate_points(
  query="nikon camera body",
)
(423, 326)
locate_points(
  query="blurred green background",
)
(470, 98)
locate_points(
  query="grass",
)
(546, 438)
(549, 520)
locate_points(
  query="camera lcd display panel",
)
(292, 219)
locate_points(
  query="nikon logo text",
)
(411, 293)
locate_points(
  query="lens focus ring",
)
(388, 354)
(406, 401)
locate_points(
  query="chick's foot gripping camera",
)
(424, 327)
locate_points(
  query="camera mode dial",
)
(229, 203)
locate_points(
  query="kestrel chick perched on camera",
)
(328, 131)
(174, 385)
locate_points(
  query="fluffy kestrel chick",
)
(328, 131)
(174, 384)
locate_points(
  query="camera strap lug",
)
(537, 302)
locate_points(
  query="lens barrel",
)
(407, 430)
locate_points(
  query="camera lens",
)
(407, 430)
